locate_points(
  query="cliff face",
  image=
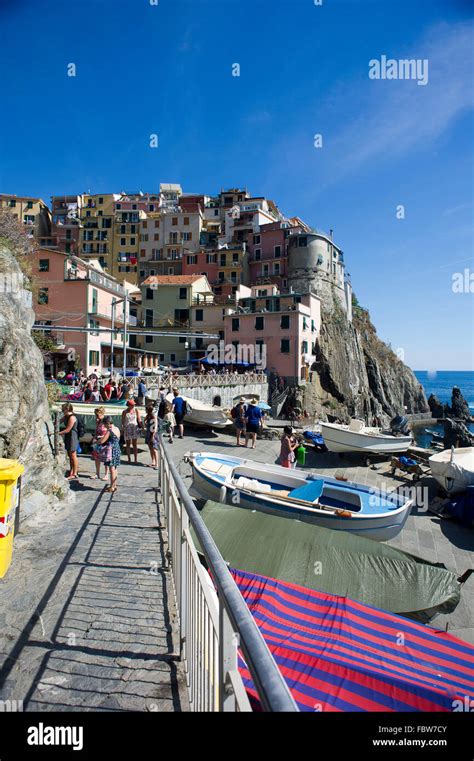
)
(25, 421)
(357, 375)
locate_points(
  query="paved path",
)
(87, 608)
(425, 535)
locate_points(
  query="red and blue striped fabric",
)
(337, 654)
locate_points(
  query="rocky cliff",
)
(355, 374)
(25, 421)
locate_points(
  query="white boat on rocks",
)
(453, 469)
(357, 437)
(307, 497)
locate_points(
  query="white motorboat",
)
(305, 496)
(453, 469)
(357, 437)
(202, 414)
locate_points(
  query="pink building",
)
(268, 254)
(285, 326)
(76, 293)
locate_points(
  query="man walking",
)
(179, 410)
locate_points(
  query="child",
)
(171, 421)
(151, 434)
(288, 446)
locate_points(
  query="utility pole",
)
(125, 335)
(112, 340)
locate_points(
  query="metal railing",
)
(213, 625)
(209, 381)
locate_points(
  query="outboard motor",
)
(399, 426)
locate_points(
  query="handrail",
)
(271, 687)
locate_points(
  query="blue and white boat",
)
(308, 497)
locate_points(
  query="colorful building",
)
(66, 223)
(284, 326)
(71, 292)
(167, 303)
(32, 212)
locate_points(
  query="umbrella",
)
(264, 406)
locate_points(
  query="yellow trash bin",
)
(10, 472)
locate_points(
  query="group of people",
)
(106, 449)
(248, 421)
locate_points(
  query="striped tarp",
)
(337, 654)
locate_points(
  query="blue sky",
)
(166, 69)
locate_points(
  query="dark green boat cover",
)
(336, 562)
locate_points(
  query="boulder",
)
(26, 432)
(438, 409)
(456, 435)
(459, 406)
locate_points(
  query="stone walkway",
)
(87, 607)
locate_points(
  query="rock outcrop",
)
(355, 374)
(458, 409)
(456, 435)
(25, 421)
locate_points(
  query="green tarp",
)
(336, 562)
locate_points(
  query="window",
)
(157, 236)
(174, 221)
(259, 323)
(43, 297)
(235, 323)
(285, 322)
(149, 293)
(223, 260)
(157, 222)
(303, 242)
(313, 327)
(304, 347)
(277, 251)
(132, 241)
(191, 259)
(94, 358)
(101, 200)
(235, 258)
(199, 315)
(29, 205)
(68, 248)
(276, 268)
(216, 212)
(186, 236)
(173, 238)
(118, 205)
(186, 221)
(256, 238)
(12, 203)
(149, 318)
(88, 213)
(170, 270)
(94, 301)
(285, 346)
(161, 357)
(106, 223)
(123, 241)
(211, 258)
(148, 339)
(44, 265)
(172, 357)
(258, 254)
(142, 273)
(183, 292)
(221, 276)
(182, 340)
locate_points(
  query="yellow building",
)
(97, 231)
(33, 212)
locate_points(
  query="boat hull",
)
(339, 439)
(453, 471)
(374, 527)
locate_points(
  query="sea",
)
(441, 384)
